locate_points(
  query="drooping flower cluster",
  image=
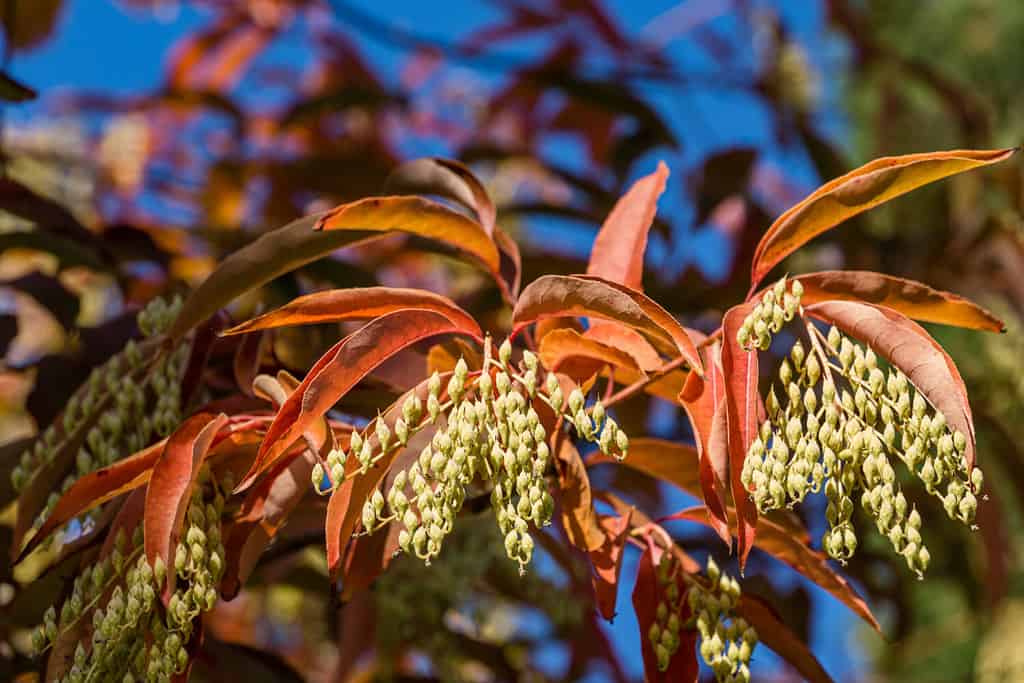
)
(116, 412)
(487, 429)
(727, 641)
(129, 638)
(777, 307)
(840, 421)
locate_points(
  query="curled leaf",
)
(578, 515)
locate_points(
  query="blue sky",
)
(101, 48)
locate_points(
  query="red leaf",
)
(912, 299)
(618, 251)
(647, 593)
(712, 437)
(340, 369)
(742, 409)
(607, 561)
(170, 485)
(586, 296)
(910, 348)
(578, 516)
(360, 303)
(626, 339)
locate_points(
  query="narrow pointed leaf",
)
(170, 485)
(618, 251)
(607, 561)
(446, 178)
(743, 408)
(788, 543)
(647, 594)
(416, 216)
(97, 488)
(578, 515)
(357, 303)
(859, 190)
(708, 400)
(912, 299)
(909, 347)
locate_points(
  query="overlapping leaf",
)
(912, 299)
(743, 409)
(170, 485)
(340, 369)
(583, 296)
(578, 515)
(909, 347)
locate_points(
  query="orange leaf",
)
(864, 188)
(416, 216)
(674, 463)
(712, 438)
(586, 296)
(628, 340)
(562, 345)
(912, 299)
(647, 594)
(909, 347)
(773, 633)
(170, 485)
(445, 178)
(94, 489)
(578, 516)
(358, 303)
(618, 251)
(342, 368)
(787, 541)
(607, 561)
(743, 409)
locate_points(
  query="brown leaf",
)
(786, 541)
(340, 369)
(170, 485)
(607, 561)
(912, 299)
(269, 256)
(702, 404)
(585, 296)
(357, 303)
(743, 408)
(772, 632)
(578, 515)
(671, 462)
(618, 251)
(909, 347)
(859, 190)
(445, 178)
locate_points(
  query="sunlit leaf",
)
(859, 190)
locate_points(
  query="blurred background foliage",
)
(269, 109)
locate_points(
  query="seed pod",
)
(317, 476)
